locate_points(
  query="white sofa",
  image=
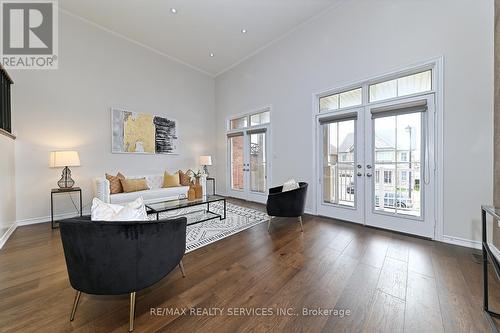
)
(155, 193)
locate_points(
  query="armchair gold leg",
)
(132, 312)
(75, 305)
(300, 221)
(269, 223)
(181, 266)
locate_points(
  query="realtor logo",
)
(29, 34)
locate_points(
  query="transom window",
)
(403, 86)
(341, 100)
(397, 86)
(255, 119)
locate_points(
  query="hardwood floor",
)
(388, 282)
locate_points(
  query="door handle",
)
(368, 174)
(359, 174)
(368, 166)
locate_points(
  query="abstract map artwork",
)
(140, 133)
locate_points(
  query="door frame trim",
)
(269, 142)
(437, 65)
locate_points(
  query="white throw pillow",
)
(132, 211)
(290, 185)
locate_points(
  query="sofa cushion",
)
(155, 181)
(134, 185)
(150, 196)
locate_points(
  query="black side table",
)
(58, 191)
(213, 184)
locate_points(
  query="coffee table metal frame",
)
(184, 203)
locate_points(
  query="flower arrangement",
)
(195, 176)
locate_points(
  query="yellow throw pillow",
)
(134, 185)
(171, 180)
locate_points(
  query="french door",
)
(377, 165)
(248, 152)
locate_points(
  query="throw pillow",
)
(115, 186)
(134, 185)
(290, 185)
(171, 180)
(184, 178)
(132, 211)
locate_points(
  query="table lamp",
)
(205, 161)
(64, 159)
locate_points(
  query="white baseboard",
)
(310, 212)
(44, 219)
(462, 242)
(6, 236)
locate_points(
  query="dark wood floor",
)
(389, 283)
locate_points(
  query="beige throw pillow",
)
(134, 185)
(171, 180)
(115, 186)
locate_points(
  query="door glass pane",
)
(260, 118)
(338, 163)
(397, 154)
(236, 154)
(238, 123)
(258, 162)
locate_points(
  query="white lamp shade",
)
(61, 159)
(206, 160)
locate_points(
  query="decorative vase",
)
(198, 190)
(191, 194)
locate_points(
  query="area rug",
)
(201, 234)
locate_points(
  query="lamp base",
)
(205, 169)
(66, 181)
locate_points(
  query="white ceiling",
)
(200, 26)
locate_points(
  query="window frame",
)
(396, 78)
(366, 83)
(389, 177)
(248, 116)
(338, 93)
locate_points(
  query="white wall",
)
(7, 185)
(361, 39)
(69, 108)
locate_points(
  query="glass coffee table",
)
(166, 206)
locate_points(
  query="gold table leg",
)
(132, 312)
(75, 305)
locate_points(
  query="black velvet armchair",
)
(286, 204)
(114, 258)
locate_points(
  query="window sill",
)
(7, 134)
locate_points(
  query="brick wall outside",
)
(237, 166)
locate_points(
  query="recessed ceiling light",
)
(212, 54)
(243, 31)
(173, 10)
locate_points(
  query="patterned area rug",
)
(198, 235)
